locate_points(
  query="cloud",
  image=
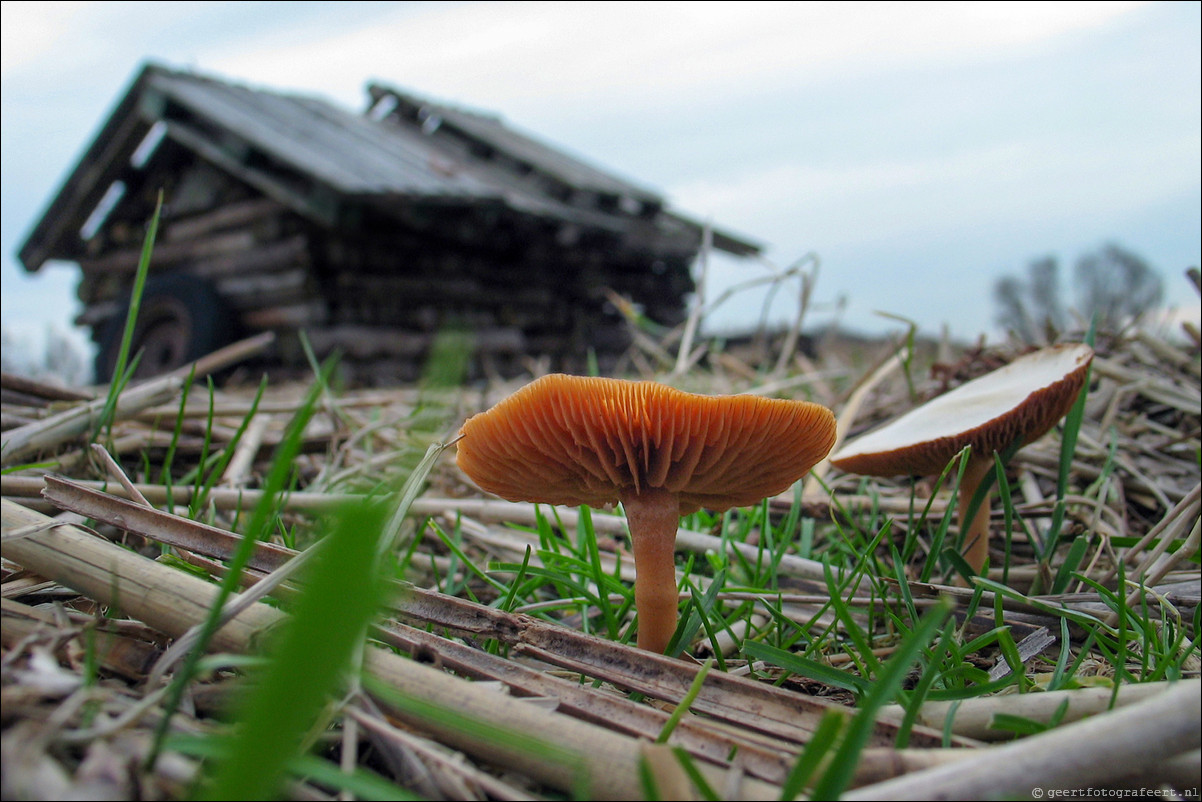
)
(1016, 182)
(520, 56)
(31, 30)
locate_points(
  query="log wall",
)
(379, 288)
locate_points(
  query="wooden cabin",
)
(369, 232)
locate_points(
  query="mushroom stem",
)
(976, 531)
(653, 517)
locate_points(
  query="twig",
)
(52, 431)
(789, 346)
(1075, 756)
(974, 717)
(684, 352)
(846, 417)
(115, 471)
(222, 358)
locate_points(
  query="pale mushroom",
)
(1010, 407)
(661, 452)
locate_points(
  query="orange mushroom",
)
(662, 452)
(1010, 407)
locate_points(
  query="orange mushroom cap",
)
(577, 440)
(1017, 403)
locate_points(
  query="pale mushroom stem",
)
(976, 531)
(653, 517)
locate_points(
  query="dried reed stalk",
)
(172, 602)
(974, 717)
(1073, 757)
(57, 429)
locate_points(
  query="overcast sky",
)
(922, 151)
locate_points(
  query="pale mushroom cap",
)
(1016, 403)
(577, 440)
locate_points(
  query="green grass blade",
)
(1072, 561)
(508, 601)
(466, 561)
(701, 611)
(588, 542)
(342, 590)
(1007, 502)
(926, 679)
(122, 370)
(278, 478)
(805, 667)
(889, 681)
(820, 743)
(855, 633)
(176, 432)
(695, 688)
(203, 460)
(1068, 448)
(647, 781)
(957, 463)
(227, 454)
(704, 789)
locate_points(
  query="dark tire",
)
(181, 319)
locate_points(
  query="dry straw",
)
(507, 637)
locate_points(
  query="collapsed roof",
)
(323, 161)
